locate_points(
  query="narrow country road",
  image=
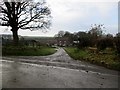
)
(54, 71)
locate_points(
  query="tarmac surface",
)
(54, 71)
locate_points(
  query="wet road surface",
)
(54, 71)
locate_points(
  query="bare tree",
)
(24, 15)
(60, 34)
(97, 30)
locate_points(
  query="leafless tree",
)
(24, 15)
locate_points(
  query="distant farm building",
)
(36, 41)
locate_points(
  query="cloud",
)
(75, 15)
(68, 14)
(65, 10)
(111, 29)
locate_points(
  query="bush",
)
(117, 44)
(84, 40)
(104, 43)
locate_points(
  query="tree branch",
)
(4, 19)
(27, 22)
(23, 14)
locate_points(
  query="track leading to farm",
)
(60, 59)
(62, 70)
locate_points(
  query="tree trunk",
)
(15, 36)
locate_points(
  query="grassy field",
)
(109, 60)
(27, 51)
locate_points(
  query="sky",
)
(77, 15)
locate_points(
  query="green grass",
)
(75, 53)
(27, 51)
(111, 60)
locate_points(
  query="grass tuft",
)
(27, 51)
(106, 59)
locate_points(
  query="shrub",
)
(104, 43)
(84, 40)
(117, 44)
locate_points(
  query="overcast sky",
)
(78, 15)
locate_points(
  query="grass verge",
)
(110, 61)
(27, 51)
